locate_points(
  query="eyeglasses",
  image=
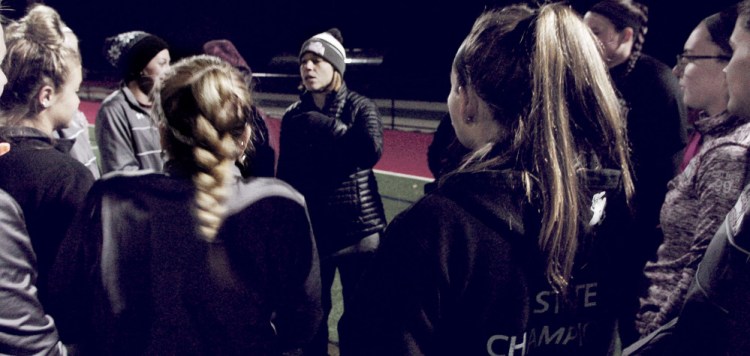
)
(683, 59)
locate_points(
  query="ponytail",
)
(568, 112)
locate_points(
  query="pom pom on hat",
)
(130, 52)
(328, 45)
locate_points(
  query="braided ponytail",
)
(640, 12)
(203, 106)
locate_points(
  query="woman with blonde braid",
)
(515, 251)
(195, 260)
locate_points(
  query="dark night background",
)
(417, 38)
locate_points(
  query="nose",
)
(678, 69)
(726, 67)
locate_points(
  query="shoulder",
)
(132, 183)
(359, 100)
(440, 212)
(734, 144)
(444, 228)
(115, 106)
(248, 192)
(115, 98)
(651, 70)
(292, 110)
(647, 63)
(434, 207)
(75, 168)
(8, 205)
(56, 166)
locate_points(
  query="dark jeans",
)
(350, 266)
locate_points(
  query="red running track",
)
(404, 152)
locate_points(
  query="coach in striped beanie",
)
(329, 46)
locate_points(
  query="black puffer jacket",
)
(328, 156)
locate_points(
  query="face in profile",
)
(608, 36)
(701, 79)
(64, 102)
(738, 70)
(153, 73)
(316, 72)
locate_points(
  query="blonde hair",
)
(38, 55)
(203, 106)
(337, 82)
(541, 73)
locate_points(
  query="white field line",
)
(401, 175)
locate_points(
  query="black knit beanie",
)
(130, 52)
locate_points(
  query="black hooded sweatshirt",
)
(461, 273)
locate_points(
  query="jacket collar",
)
(25, 133)
(130, 98)
(717, 124)
(335, 102)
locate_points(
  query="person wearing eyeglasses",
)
(702, 195)
(696, 137)
(656, 120)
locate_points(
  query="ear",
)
(626, 35)
(469, 104)
(45, 96)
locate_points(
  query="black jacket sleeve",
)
(278, 240)
(362, 144)
(397, 305)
